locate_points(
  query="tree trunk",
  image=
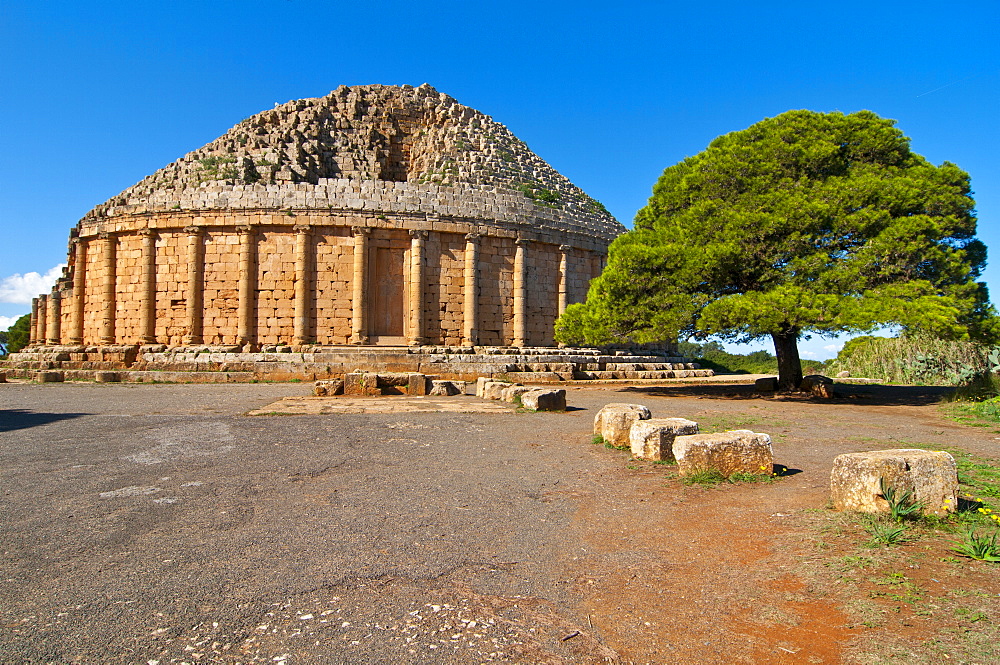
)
(786, 348)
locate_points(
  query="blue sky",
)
(98, 95)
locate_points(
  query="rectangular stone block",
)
(543, 399)
(653, 439)
(49, 377)
(417, 384)
(361, 384)
(614, 422)
(328, 387)
(737, 451)
(932, 477)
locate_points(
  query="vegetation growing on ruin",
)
(217, 168)
(803, 223)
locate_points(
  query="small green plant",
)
(979, 547)
(902, 506)
(741, 477)
(597, 440)
(707, 477)
(885, 533)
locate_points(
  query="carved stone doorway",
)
(388, 314)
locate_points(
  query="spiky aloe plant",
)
(902, 506)
(979, 547)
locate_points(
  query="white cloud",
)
(808, 354)
(7, 321)
(833, 348)
(20, 289)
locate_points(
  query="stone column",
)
(54, 331)
(195, 292)
(563, 277)
(359, 286)
(247, 285)
(41, 328)
(470, 332)
(33, 326)
(147, 289)
(520, 293)
(300, 323)
(79, 290)
(108, 286)
(417, 287)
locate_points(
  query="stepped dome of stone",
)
(395, 149)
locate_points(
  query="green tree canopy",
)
(16, 337)
(803, 223)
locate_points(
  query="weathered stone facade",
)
(376, 215)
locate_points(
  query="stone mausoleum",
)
(381, 217)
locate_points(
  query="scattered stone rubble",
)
(932, 477)
(535, 399)
(677, 440)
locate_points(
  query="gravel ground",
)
(158, 523)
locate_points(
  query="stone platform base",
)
(221, 364)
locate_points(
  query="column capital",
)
(193, 230)
(78, 241)
(244, 229)
(364, 231)
(148, 233)
(522, 242)
(302, 228)
(565, 248)
(418, 234)
(106, 235)
(472, 237)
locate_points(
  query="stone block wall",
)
(325, 258)
(332, 303)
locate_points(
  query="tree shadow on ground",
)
(12, 419)
(846, 394)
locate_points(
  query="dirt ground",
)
(463, 537)
(761, 573)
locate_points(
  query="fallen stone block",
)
(416, 384)
(653, 439)
(614, 421)
(931, 476)
(494, 389)
(824, 390)
(328, 387)
(106, 377)
(843, 375)
(361, 383)
(49, 377)
(443, 388)
(810, 382)
(768, 384)
(544, 399)
(480, 383)
(512, 393)
(736, 451)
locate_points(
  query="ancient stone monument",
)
(376, 216)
